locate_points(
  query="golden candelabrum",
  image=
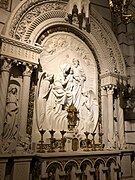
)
(72, 117)
(52, 141)
(63, 141)
(41, 149)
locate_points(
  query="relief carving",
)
(31, 15)
(64, 80)
(11, 117)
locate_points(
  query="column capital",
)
(110, 89)
(103, 91)
(28, 70)
(7, 63)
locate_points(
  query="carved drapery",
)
(11, 121)
(32, 11)
(66, 52)
(4, 80)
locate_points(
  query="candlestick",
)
(52, 140)
(63, 140)
(93, 140)
(41, 150)
(87, 141)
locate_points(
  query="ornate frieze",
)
(20, 51)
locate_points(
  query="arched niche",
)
(38, 22)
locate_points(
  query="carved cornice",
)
(17, 43)
(19, 51)
(112, 79)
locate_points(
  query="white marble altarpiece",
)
(69, 75)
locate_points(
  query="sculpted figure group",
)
(56, 93)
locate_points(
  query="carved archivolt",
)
(31, 16)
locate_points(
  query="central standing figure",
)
(79, 78)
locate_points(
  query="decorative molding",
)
(30, 110)
(18, 50)
(19, 24)
(43, 17)
(104, 35)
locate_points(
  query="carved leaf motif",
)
(36, 11)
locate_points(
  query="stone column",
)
(25, 100)
(104, 114)
(110, 92)
(4, 81)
